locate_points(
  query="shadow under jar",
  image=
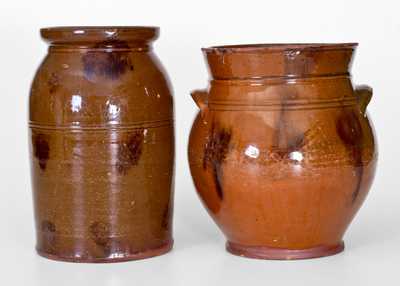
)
(102, 146)
(282, 152)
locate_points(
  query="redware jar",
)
(102, 146)
(282, 152)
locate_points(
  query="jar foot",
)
(265, 252)
(163, 249)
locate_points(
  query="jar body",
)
(282, 165)
(102, 153)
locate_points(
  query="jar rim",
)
(63, 34)
(278, 47)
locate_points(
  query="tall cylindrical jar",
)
(101, 146)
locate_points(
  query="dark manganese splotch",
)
(53, 82)
(100, 233)
(294, 143)
(286, 139)
(109, 64)
(215, 152)
(48, 230)
(349, 129)
(41, 149)
(48, 226)
(129, 151)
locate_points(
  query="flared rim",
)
(278, 47)
(89, 33)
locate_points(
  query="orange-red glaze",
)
(282, 152)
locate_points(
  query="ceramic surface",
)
(102, 146)
(282, 152)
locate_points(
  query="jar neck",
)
(279, 61)
(105, 46)
(107, 39)
(277, 93)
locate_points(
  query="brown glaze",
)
(40, 149)
(129, 151)
(108, 65)
(102, 146)
(282, 153)
(215, 152)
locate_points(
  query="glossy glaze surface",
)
(282, 152)
(102, 146)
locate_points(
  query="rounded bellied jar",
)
(282, 152)
(102, 146)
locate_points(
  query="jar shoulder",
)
(315, 138)
(100, 87)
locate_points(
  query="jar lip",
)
(64, 34)
(278, 47)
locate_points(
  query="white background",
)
(373, 240)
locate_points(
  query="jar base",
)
(271, 253)
(165, 248)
